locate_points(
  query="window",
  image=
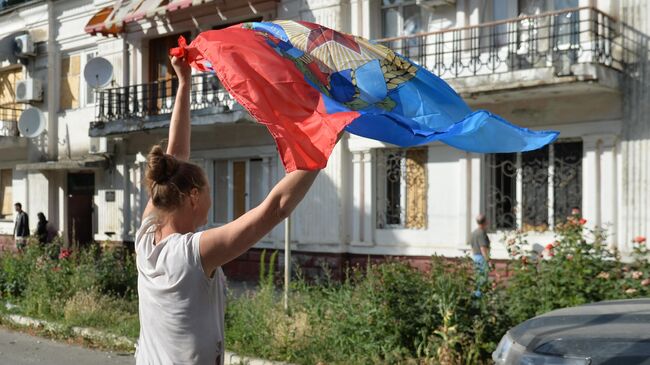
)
(9, 109)
(400, 18)
(89, 91)
(238, 186)
(402, 188)
(533, 190)
(6, 196)
(75, 92)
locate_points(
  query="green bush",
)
(86, 286)
(576, 268)
(379, 314)
(386, 313)
(392, 313)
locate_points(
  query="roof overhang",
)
(87, 163)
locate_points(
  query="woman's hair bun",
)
(160, 166)
(170, 180)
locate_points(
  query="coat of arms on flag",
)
(307, 83)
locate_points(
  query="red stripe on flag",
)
(275, 92)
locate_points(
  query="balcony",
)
(9, 121)
(583, 47)
(121, 110)
(10, 139)
(7, 5)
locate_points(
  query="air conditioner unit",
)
(101, 145)
(434, 3)
(29, 90)
(25, 46)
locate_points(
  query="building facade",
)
(576, 66)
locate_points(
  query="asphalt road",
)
(21, 349)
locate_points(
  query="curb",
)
(230, 358)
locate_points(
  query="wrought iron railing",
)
(8, 121)
(136, 102)
(7, 4)
(555, 39)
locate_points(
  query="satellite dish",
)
(98, 72)
(31, 123)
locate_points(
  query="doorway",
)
(81, 189)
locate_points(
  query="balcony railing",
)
(8, 4)
(8, 121)
(556, 39)
(139, 102)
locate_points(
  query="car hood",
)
(598, 330)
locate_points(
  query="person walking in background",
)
(21, 227)
(41, 229)
(480, 243)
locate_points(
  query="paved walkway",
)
(21, 349)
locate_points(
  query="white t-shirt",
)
(181, 309)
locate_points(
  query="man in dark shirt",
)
(21, 227)
(480, 243)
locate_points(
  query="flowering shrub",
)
(46, 282)
(576, 268)
(386, 313)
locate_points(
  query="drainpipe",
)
(52, 99)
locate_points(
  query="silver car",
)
(607, 333)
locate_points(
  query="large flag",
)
(307, 83)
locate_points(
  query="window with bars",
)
(402, 188)
(533, 190)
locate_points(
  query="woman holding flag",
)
(306, 83)
(181, 286)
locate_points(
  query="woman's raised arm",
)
(178, 144)
(220, 245)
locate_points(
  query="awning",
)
(88, 162)
(110, 20)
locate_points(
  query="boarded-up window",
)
(70, 77)
(402, 188)
(8, 81)
(416, 188)
(221, 191)
(6, 196)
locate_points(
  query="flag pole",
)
(287, 261)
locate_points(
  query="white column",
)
(520, 192)
(370, 15)
(461, 17)
(53, 75)
(474, 12)
(357, 197)
(609, 187)
(465, 199)
(63, 207)
(208, 167)
(590, 180)
(475, 184)
(267, 182)
(356, 17)
(126, 201)
(368, 188)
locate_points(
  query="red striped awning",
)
(110, 20)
